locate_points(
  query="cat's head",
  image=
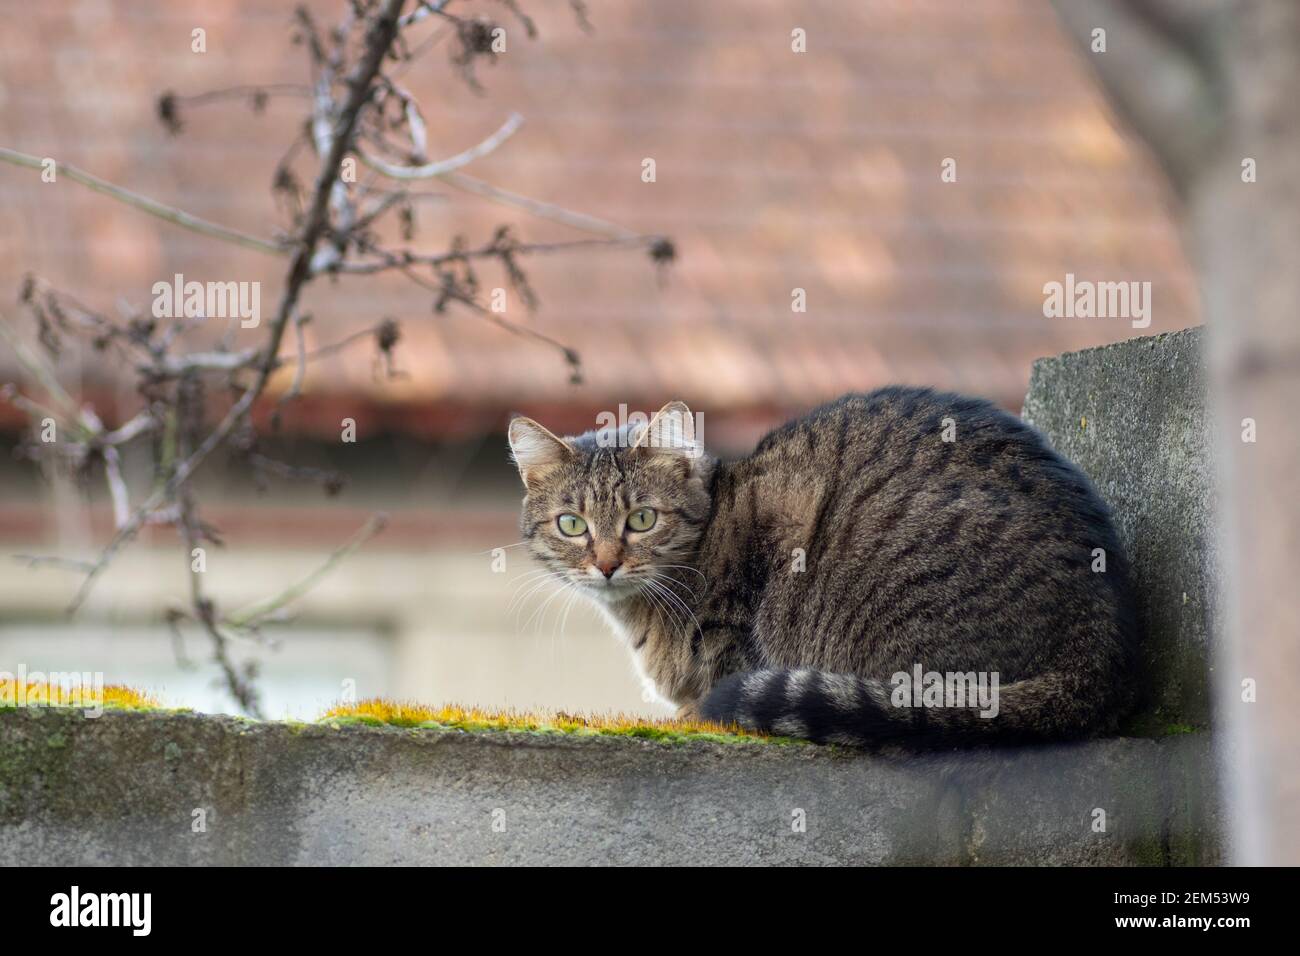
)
(611, 508)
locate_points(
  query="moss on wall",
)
(383, 712)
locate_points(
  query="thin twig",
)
(140, 424)
(300, 367)
(67, 564)
(39, 412)
(426, 8)
(116, 487)
(254, 614)
(244, 91)
(174, 366)
(402, 258)
(41, 370)
(151, 206)
(452, 163)
(569, 354)
(205, 612)
(543, 210)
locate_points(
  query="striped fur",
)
(783, 590)
(857, 711)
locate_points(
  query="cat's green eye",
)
(571, 525)
(643, 519)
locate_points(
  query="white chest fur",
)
(649, 690)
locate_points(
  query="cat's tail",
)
(842, 708)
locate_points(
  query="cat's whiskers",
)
(679, 601)
(502, 547)
(674, 601)
(655, 603)
(565, 585)
(530, 576)
(659, 575)
(562, 619)
(533, 587)
(682, 567)
(532, 573)
(526, 584)
(667, 617)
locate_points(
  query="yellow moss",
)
(114, 696)
(406, 714)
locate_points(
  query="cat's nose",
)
(608, 568)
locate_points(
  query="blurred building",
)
(776, 171)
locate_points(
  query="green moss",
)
(37, 759)
(457, 719)
(42, 694)
(657, 734)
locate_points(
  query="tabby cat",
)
(881, 538)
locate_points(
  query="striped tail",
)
(845, 709)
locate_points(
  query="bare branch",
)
(357, 108)
(300, 368)
(442, 167)
(402, 258)
(142, 423)
(450, 293)
(174, 366)
(252, 92)
(151, 206)
(116, 487)
(66, 564)
(41, 370)
(255, 614)
(423, 11)
(38, 411)
(543, 210)
(205, 611)
(378, 41)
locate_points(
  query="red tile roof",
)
(775, 170)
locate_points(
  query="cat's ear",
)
(535, 450)
(671, 432)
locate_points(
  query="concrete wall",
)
(1133, 417)
(124, 789)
